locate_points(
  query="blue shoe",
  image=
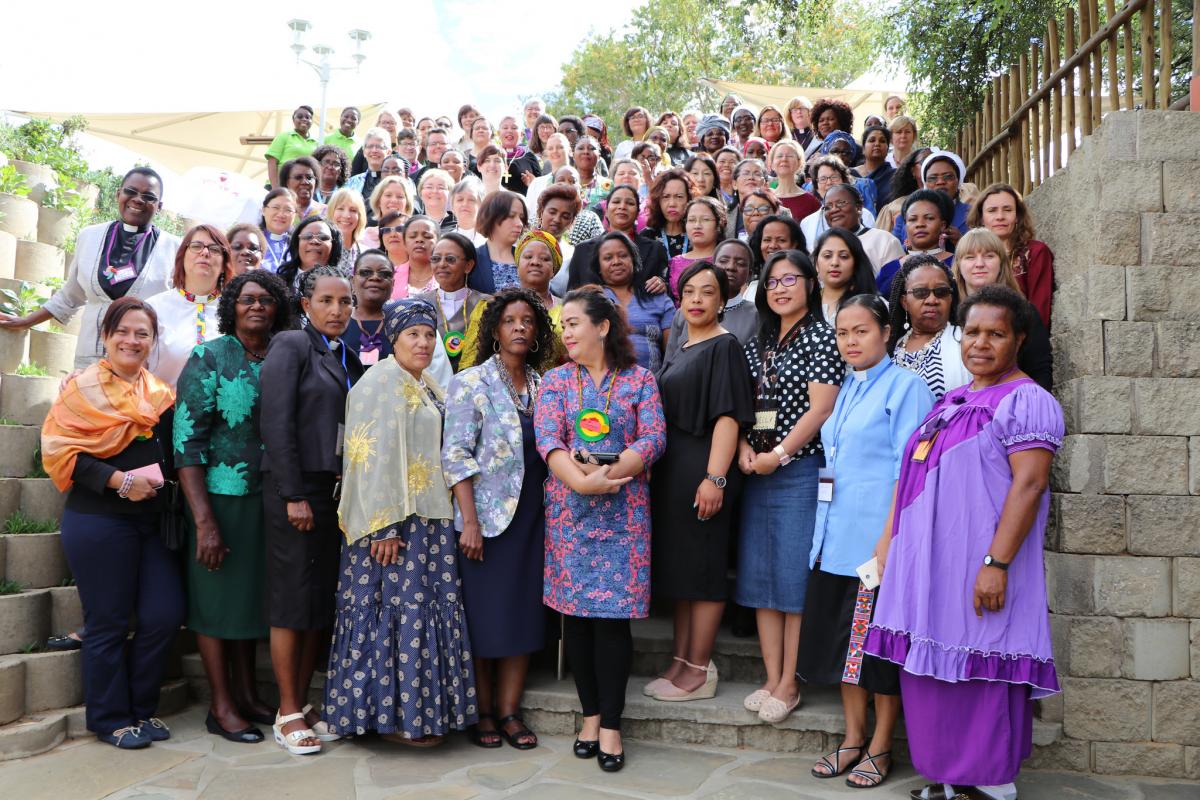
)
(128, 738)
(156, 729)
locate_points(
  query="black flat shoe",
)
(586, 749)
(250, 735)
(262, 719)
(63, 643)
(609, 762)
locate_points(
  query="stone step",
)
(47, 681)
(17, 446)
(737, 659)
(35, 560)
(36, 498)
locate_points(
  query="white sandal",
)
(321, 728)
(291, 741)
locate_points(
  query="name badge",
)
(341, 437)
(825, 485)
(122, 274)
(368, 357)
(766, 414)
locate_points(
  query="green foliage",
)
(60, 199)
(52, 144)
(7, 421)
(10, 587)
(109, 183)
(17, 522)
(22, 302)
(37, 469)
(13, 182)
(31, 369)
(30, 648)
(658, 59)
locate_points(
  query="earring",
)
(495, 346)
(535, 347)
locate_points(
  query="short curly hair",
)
(227, 308)
(840, 108)
(1020, 312)
(489, 323)
(343, 162)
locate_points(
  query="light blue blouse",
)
(876, 412)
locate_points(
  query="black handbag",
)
(172, 524)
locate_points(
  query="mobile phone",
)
(604, 459)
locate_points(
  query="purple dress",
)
(966, 681)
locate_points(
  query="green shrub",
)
(10, 587)
(13, 182)
(17, 523)
(32, 370)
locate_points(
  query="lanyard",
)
(342, 348)
(112, 239)
(767, 360)
(861, 389)
(687, 243)
(608, 399)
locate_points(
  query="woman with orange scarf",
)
(105, 443)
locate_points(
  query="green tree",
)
(657, 60)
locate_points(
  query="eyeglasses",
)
(923, 292)
(756, 210)
(331, 162)
(289, 210)
(367, 274)
(147, 197)
(838, 205)
(829, 179)
(251, 300)
(752, 173)
(941, 177)
(786, 280)
(391, 229)
(248, 246)
(200, 247)
(449, 260)
(316, 237)
(374, 146)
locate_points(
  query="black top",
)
(676, 245)
(1035, 358)
(528, 162)
(91, 495)
(304, 388)
(651, 251)
(367, 332)
(708, 380)
(741, 320)
(127, 247)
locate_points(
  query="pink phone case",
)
(152, 472)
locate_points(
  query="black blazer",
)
(304, 391)
(651, 251)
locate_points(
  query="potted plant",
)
(33, 555)
(52, 348)
(56, 220)
(17, 442)
(24, 616)
(47, 153)
(18, 214)
(19, 302)
(26, 394)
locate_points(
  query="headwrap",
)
(838, 136)
(709, 122)
(766, 145)
(944, 155)
(743, 110)
(402, 314)
(538, 235)
(100, 414)
(593, 122)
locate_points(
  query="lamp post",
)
(324, 53)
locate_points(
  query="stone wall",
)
(1123, 552)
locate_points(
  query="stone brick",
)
(1191, 763)
(1107, 710)
(1088, 523)
(1178, 346)
(1166, 406)
(1097, 404)
(1181, 186)
(1139, 758)
(1069, 582)
(1129, 348)
(1194, 465)
(1166, 135)
(1050, 709)
(1175, 708)
(1117, 238)
(1079, 465)
(1158, 291)
(1116, 140)
(1132, 186)
(1070, 301)
(1164, 525)
(1066, 754)
(1125, 586)
(1078, 349)
(1060, 642)
(1186, 598)
(1095, 648)
(1106, 293)
(1157, 650)
(1128, 461)
(12, 689)
(1168, 238)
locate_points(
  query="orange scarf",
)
(100, 413)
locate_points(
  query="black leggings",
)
(600, 652)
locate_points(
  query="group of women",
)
(465, 408)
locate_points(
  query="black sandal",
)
(875, 776)
(832, 766)
(481, 738)
(514, 738)
(932, 791)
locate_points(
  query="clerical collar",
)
(735, 301)
(456, 295)
(125, 226)
(277, 237)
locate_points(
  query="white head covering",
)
(944, 155)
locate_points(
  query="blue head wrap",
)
(838, 136)
(399, 315)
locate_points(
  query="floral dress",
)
(598, 546)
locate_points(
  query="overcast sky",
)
(69, 55)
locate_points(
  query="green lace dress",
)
(216, 427)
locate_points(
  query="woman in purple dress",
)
(962, 606)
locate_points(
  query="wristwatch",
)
(719, 480)
(784, 458)
(988, 561)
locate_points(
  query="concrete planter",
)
(53, 680)
(37, 262)
(54, 351)
(66, 612)
(17, 445)
(40, 178)
(24, 620)
(13, 348)
(41, 499)
(54, 226)
(10, 501)
(12, 690)
(35, 560)
(8, 254)
(25, 399)
(89, 191)
(20, 215)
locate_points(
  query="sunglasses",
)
(923, 292)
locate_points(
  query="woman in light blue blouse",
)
(879, 407)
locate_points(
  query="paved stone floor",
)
(195, 764)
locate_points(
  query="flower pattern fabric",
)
(598, 546)
(216, 417)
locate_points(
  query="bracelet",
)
(126, 485)
(784, 458)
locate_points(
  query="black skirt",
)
(837, 613)
(302, 566)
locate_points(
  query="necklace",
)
(252, 353)
(593, 425)
(531, 387)
(452, 340)
(201, 302)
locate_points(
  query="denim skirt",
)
(779, 512)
